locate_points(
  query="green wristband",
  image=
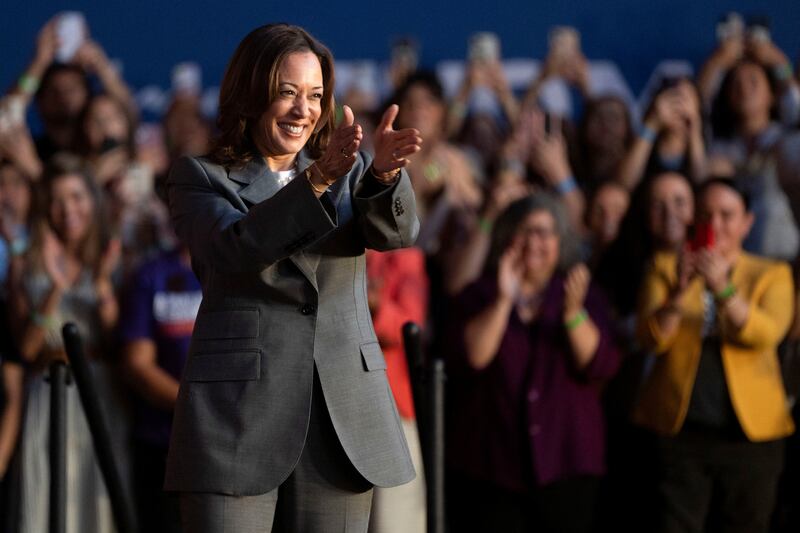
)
(485, 225)
(28, 84)
(726, 293)
(43, 321)
(577, 320)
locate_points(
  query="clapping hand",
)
(393, 147)
(340, 154)
(575, 288)
(510, 270)
(713, 268)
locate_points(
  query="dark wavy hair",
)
(250, 85)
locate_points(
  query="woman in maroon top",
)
(533, 345)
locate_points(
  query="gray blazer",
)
(284, 289)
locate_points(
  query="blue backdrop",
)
(150, 37)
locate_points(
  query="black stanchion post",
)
(427, 387)
(101, 438)
(435, 474)
(58, 447)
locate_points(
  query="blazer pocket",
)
(227, 324)
(242, 365)
(372, 356)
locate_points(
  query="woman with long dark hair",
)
(285, 419)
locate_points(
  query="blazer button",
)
(308, 309)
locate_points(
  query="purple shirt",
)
(161, 305)
(530, 417)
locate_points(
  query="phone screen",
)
(703, 237)
(71, 32)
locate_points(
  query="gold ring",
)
(344, 152)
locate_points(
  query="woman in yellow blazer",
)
(715, 317)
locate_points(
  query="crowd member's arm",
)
(761, 324)
(155, 385)
(46, 45)
(691, 112)
(139, 350)
(407, 304)
(468, 260)
(583, 335)
(499, 84)
(31, 321)
(92, 58)
(660, 312)
(549, 159)
(774, 60)
(11, 417)
(714, 69)
(107, 305)
(574, 70)
(459, 105)
(484, 332)
(17, 146)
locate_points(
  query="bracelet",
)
(485, 225)
(387, 178)
(17, 246)
(28, 84)
(726, 293)
(318, 170)
(577, 320)
(43, 321)
(566, 186)
(647, 133)
(307, 172)
(783, 72)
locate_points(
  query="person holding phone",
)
(58, 79)
(670, 139)
(484, 70)
(284, 419)
(714, 316)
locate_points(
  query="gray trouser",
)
(324, 494)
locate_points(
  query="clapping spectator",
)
(531, 345)
(715, 316)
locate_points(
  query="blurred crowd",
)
(612, 289)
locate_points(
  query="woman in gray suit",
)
(284, 419)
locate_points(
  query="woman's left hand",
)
(110, 259)
(714, 269)
(393, 147)
(575, 288)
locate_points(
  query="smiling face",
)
(671, 210)
(71, 208)
(724, 210)
(291, 118)
(538, 237)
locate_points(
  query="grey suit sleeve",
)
(223, 237)
(387, 214)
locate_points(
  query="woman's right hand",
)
(509, 272)
(686, 270)
(340, 154)
(54, 260)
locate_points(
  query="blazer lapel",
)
(259, 183)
